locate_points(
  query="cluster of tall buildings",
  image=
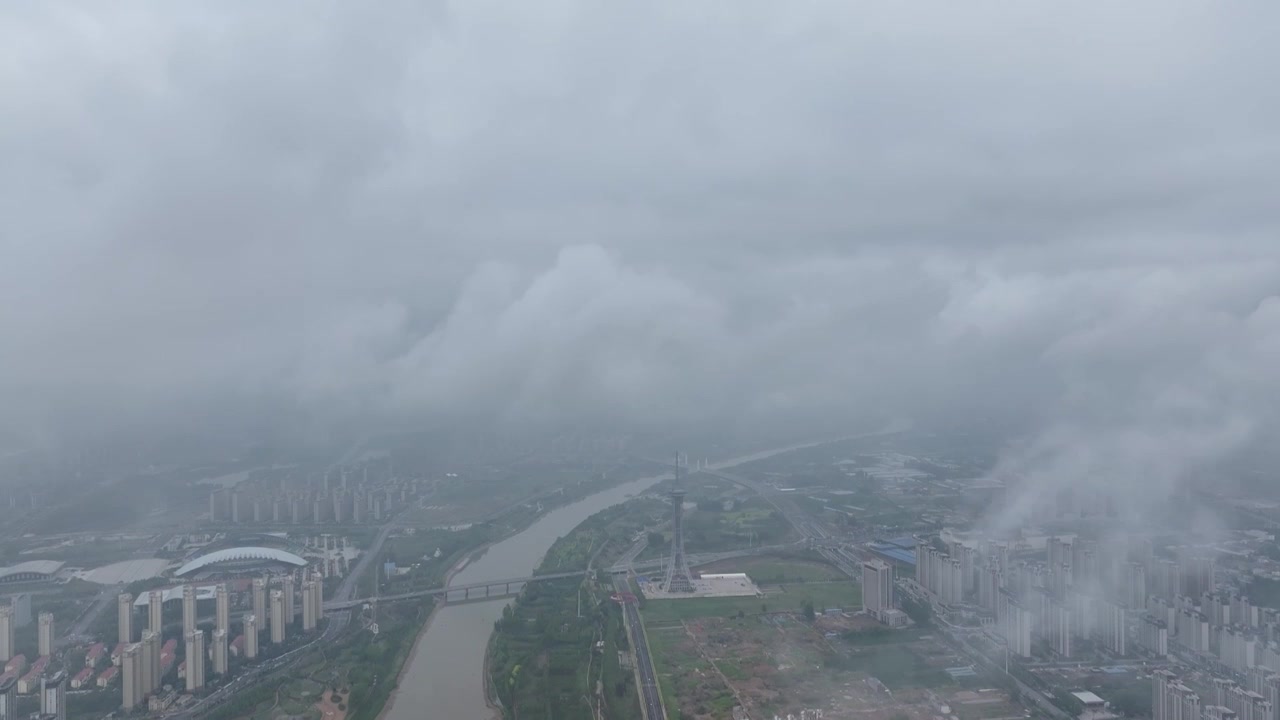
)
(1083, 589)
(1220, 625)
(1257, 699)
(271, 608)
(337, 497)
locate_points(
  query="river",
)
(445, 676)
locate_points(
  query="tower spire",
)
(678, 577)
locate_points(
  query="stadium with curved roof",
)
(30, 570)
(241, 558)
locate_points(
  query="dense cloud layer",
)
(628, 214)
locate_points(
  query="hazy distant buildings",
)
(45, 634)
(324, 502)
(1111, 630)
(939, 573)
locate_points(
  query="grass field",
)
(776, 570)
(777, 598)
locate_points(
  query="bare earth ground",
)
(329, 710)
(778, 664)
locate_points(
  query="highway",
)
(78, 630)
(646, 676)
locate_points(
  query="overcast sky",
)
(617, 214)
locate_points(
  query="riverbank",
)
(457, 567)
(447, 674)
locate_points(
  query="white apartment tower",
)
(6, 633)
(220, 651)
(277, 617)
(124, 619)
(223, 602)
(131, 676)
(260, 601)
(155, 610)
(45, 634)
(188, 610)
(250, 636)
(877, 587)
(195, 660)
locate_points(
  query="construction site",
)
(844, 665)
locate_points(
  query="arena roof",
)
(239, 554)
(30, 570)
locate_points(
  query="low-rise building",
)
(82, 678)
(93, 656)
(108, 676)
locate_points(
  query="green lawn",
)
(778, 598)
(774, 570)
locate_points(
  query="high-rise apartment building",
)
(45, 634)
(277, 617)
(877, 587)
(131, 676)
(220, 651)
(195, 660)
(288, 599)
(260, 601)
(223, 603)
(7, 630)
(155, 610)
(308, 607)
(124, 617)
(250, 636)
(21, 604)
(53, 696)
(152, 669)
(188, 609)
(9, 698)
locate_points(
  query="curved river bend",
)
(445, 675)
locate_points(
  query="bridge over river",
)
(471, 591)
